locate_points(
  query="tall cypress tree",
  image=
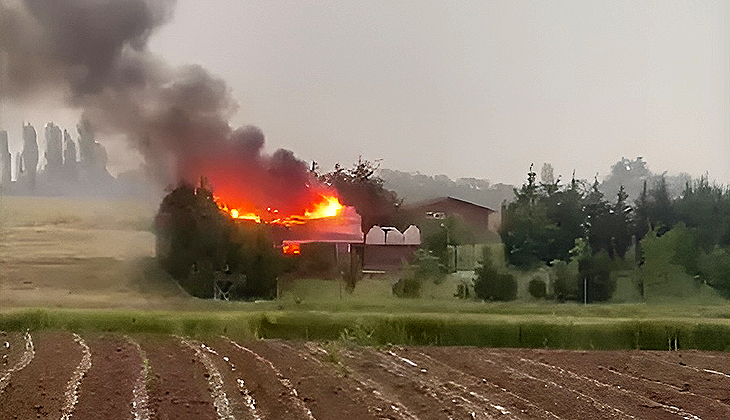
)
(621, 218)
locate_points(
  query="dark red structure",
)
(474, 215)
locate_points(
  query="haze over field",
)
(467, 90)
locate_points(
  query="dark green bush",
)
(427, 267)
(490, 284)
(715, 269)
(566, 281)
(408, 286)
(196, 242)
(537, 288)
(596, 271)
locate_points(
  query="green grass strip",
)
(483, 330)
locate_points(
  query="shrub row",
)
(412, 329)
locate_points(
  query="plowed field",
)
(59, 375)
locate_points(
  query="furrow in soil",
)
(37, 391)
(15, 356)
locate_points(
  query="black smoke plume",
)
(95, 52)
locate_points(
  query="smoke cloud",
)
(95, 52)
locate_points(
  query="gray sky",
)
(478, 89)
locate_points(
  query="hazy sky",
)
(478, 89)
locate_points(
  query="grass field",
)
(88, 265)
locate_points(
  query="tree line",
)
(576, 225)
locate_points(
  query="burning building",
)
(324, 220)
(200, 238)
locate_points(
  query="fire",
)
(323, 218)
(291, 248)
(246, 216)
(327, 206)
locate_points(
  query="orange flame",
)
(291, 248)
(327, 206)
(246, 216)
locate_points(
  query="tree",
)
(631, 174)
(361, 188)
(621, 223)
(565, 211)
(566, 281)
(598, 221)
(595, 273)
(197, 242)
(547, 178)
(543, 222)
(705, 210)
(660, 212)
(640, 225)
(537, 288)
(525, 225)
(491, 284)
(715, 270)
(426, 267)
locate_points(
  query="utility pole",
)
(585, 290)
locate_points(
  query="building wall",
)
(475, 216)
(387, 257)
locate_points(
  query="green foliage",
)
(537, 288)
(705, 209)
(545, 220)
(595, 271)
(608, 226)
(525, 228)
(425, 268)
(684, 250)
(660, 211)
(408, 286)
(361, 188)
(191, 228)
(252, 254)
(715, 270)
(621, 224)
(197, 243)
(669, 262)
(351, 272)
(640, 225)
(491, 284)
(597, 332)
(565, 286)
(437, 234)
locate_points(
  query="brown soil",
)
(178, 388)
(298, 380)
(371, 395)
(106, 391)
(38, 390)
(326, 392)
(616, 384)
(476, 394)
(11, 352)
(274, 400)
(228, 372)
(407, 384)
(653, 382)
